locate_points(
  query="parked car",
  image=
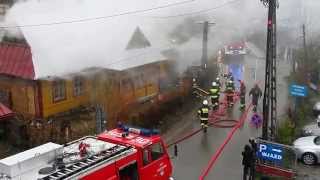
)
(316, 109)
(311, 129)
(308, 149)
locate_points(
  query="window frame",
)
(59, 85)
(146, 156)
(159, 154)
(78, 86)
(316, 140)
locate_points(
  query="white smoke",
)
(64, 48)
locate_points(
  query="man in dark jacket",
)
(254, 148)
(256, 94)
(246, 161)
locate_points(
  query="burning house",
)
(64, 107)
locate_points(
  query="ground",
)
(194, 153)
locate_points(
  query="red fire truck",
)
(235, 52)
(120, 154)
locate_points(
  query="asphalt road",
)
(195, 153)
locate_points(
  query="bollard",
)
(175, 150)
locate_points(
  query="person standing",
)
(215, 95)
(230, 92)
(203, 113)
(246, 161)
(254, 148)
(256, 94)
(242, 95)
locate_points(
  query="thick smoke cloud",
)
(66, 48)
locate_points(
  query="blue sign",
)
(297, 90)
(270, 152)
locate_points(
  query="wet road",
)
(195, 153)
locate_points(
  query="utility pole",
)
(306, 58)
(270, 91)
(204, 58)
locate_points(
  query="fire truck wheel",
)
(309, 158)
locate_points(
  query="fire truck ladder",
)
(86, 163)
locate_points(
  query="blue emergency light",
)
(140, 131)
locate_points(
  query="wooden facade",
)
(63, 108)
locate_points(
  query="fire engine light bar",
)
(140, 131)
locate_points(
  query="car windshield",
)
(317, 140)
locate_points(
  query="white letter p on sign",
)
(262, 147)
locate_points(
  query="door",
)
(156, 163)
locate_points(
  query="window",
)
(126, 85)
(317, 140)
(58, 90)
(156, 151)
(146, 159)
(2, 10)
(78, 86)
(5, 98)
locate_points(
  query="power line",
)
(201, 11)
(101, 17)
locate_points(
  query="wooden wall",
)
(49, 107)
(22, 94)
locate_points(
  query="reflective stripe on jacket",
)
(204, 112)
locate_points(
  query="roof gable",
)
(138, 40)
(16, 60)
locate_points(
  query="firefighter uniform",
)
(230, 92)
(215, 95)
(218, 81)
(203, 113)
(242, 95)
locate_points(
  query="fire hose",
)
(215, 122)
(184, 137)
(221, 148)
(215, 118)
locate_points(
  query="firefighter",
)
(215, 95)
(230, 92)
(242, 95)
(194, 83)
(256, 94)
(218, 82)
(203, 113)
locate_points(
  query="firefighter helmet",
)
(205, 102)
(214, 83)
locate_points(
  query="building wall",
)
(49, 107)
(143, 82)
(22, 95)
(106, 93)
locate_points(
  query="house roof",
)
(70, 48)
(5, 111)
(16, 60)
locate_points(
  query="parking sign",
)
(270, 152)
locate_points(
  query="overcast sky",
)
(65, 48)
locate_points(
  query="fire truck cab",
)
(234, 53)
(120, 154)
